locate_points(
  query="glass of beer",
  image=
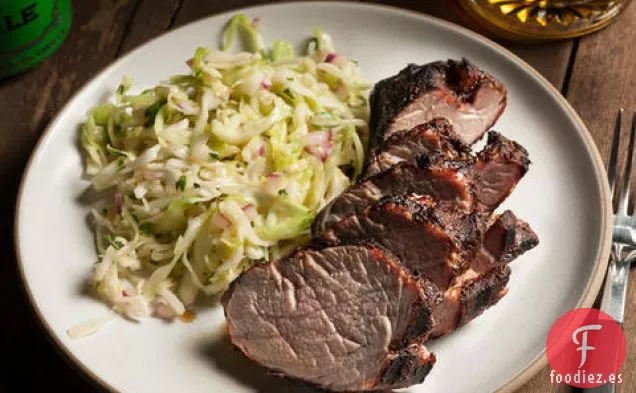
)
(542, 19)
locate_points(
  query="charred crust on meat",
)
(460, 79)
(421, 213)
(423, 161)
(508, 237)
(422, 325)
(439, 125)
(500, 146)
(399, 91)
(434, 137)
(409, 367)
(483, 293)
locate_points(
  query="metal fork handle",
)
(614, 296)
(615, 291)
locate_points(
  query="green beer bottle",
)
(30, 31)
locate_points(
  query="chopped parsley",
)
(289, 94)
(113, 242)
(181, 183)
(116, 152)
(152, 110)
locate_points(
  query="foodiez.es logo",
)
(586, 349)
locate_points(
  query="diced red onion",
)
(119, 202)
(261, 150)
(127, 289)
(273, 183)
(317, 138)
(266, 83)
(330, 57)
(319, 144)
(340, 61)
(250, 211)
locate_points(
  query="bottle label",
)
(30, 30)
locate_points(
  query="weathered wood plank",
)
(151, 18)
(193, 9)
(551, 60)
(28, 101)
(27, 104)
(604, 79)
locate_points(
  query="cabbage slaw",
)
(216, 170)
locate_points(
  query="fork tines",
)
(612, 169)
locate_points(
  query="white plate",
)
(564, 197)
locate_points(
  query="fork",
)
(623, 237)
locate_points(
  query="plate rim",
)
(601, 262)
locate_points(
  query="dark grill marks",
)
(469, 98)
(497, 170)
(432, 138)
(430, 176)
(413, 230)
(485, 181)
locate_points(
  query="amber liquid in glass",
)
(542, 19)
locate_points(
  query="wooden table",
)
(597, 74)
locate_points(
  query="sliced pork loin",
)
(443, 182)
(433, 137)
(471, 99)
(345, 318)
(414, 230)
(483, 284)
(470, 295)
(497, 170)
(507, 238)
(479, 184)
(461, 265)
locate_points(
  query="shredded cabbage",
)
(214, 171)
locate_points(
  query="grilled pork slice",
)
(479, 184)
(442, 182)
(497, 170)
(345, 318)
(462, 268)
(434, 137)
(483, 284)
(507, 238)
(414, 230)
(470, 295)
(471, 99)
